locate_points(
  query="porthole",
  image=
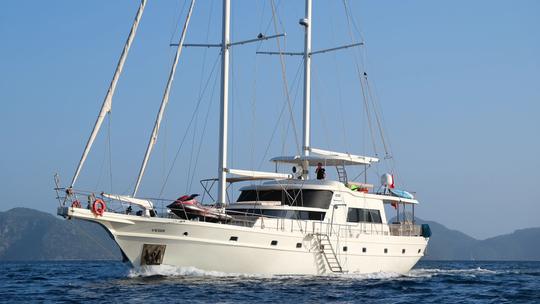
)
(364, 249)
(273, 243)
(298, 245)
(419, 250)
(402, 251)
(233, 238)
(345, 248)
(185, 233)
(385, 250)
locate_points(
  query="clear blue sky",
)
(458, 81)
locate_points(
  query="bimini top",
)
(143, 203)
(327, 158)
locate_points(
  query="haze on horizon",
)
(458, 81)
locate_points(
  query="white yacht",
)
(298, 222)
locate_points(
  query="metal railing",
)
(260, 221)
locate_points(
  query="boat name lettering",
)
(158, 230)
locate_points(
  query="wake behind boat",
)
(293, 222)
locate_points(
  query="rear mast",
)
(224, 105)
(306, 23)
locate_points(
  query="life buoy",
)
(76, 204)
(98, 207)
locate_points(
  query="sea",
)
(116, 282)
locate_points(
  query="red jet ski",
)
(187, 207)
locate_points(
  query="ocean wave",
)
(430, 272)
(173, 271)
(189, 271)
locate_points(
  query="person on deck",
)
(320, 171)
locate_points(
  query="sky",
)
(458, 84)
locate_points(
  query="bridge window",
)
(288, 214)
(293, 197)
(355, 215)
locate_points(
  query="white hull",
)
(206, 244)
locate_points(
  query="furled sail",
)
(107, 103)
(164, 101)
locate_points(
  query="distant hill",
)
(447, 244)
(27, 234)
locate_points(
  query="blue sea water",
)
(115, 282)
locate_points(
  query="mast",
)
(107, 102)
(224, 105)
(306, 23)
(164, 101)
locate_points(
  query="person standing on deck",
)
(320, 171)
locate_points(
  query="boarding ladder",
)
(342, 174)
(327, 250)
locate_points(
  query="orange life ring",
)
(98, 207)
(76, 204)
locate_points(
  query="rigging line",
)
(253, 98)
(254, 91)
(201, 83)
(317, 101)
(340, 93)
(383, 124)
(368, 115)
(296, 87)
(189, 126)
(174, 28)
(192, 148)
(362, 85)
(104, 160)
(356, 27)
(376, 115)
(204, 130)
(376, 104)
(284, 76)
(110, 150)
(278, 121)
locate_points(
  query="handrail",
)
(257, 220)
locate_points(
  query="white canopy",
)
(327, 158)
(253, 175)
(143, 203)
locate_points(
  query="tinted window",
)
(355, 215)
(289, 214)
(295, 197)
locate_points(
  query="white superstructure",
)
(286, 223)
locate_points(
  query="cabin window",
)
(385, 250)
(364, 249)
(293, 197)
(233, 238)
(298, 245)
(345, 248)
(273, 243)
(289, 214)
(403, 251)
(355, 215)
